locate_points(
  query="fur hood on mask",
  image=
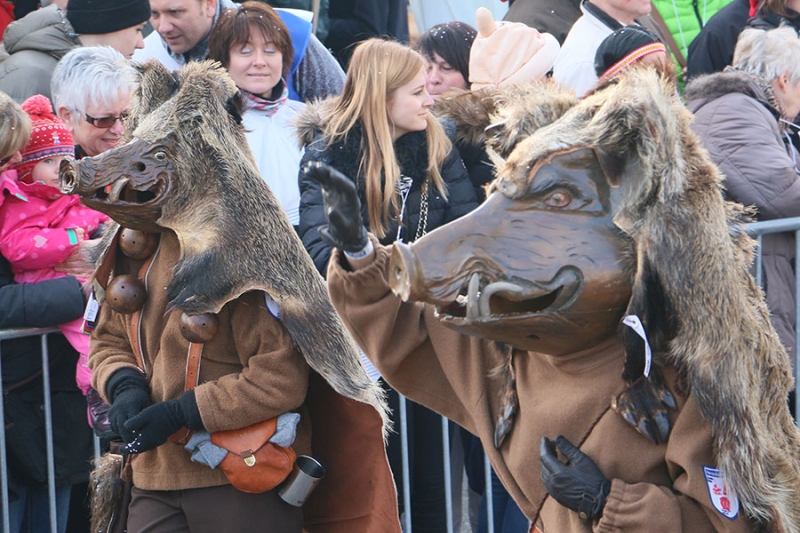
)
(704, 314)
(712, 86)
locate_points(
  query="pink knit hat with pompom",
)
(49, 136)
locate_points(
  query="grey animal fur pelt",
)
(233, 233)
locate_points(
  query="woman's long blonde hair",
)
(377, 69)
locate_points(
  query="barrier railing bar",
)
(448, 478)
(48, 431)
(405, 462)
(4, 460)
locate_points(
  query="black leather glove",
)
(152, 427)
(128, 393)
(345, 229)
(578, 485)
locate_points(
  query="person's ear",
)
(783, 80)
(67, 116)
(211, 8)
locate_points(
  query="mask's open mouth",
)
(482, 300)
(122, 191)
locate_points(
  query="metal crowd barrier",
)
(756, 230)
(48, 418)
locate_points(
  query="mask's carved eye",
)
(559, 198)
(160, 156)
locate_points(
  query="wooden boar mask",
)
(187, 168)
(692, 288)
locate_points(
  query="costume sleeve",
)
(687, 506)
(274, 377)
(396, 337)
(33, 248)
(38, 305)
(758, 170)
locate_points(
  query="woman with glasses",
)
(91, 90)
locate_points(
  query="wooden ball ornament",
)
(137, 244)
(199, 328)
(126, 294)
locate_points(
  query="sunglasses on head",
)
(105, 122)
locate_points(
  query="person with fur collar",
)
(743, 118)
(411, 180)
(408, 174)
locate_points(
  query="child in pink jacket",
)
(39, 227)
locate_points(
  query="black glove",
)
(128, 393)
(578, 485)
(345, 228)
(152, 427)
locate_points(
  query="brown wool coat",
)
(249, 372)
(654, 487)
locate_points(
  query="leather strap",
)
(673, 46)
(193, 365)
(136, 317)
(103, 272)
(183, 435)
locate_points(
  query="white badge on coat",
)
(722, 496)
(633, 322)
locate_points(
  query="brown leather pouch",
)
(254, 464)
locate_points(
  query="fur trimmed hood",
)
(712, 86)
(705, 316)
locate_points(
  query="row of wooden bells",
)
(126, 293)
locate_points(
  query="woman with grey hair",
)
(91, 90)
(743, 116)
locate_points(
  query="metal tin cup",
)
(306, 474)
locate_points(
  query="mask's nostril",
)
(138, 167)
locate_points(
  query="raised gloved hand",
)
(128, 393)
(578, 485)
(345, 229)
(153, 426)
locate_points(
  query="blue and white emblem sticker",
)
(722, 496)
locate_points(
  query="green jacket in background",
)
(684, 20)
